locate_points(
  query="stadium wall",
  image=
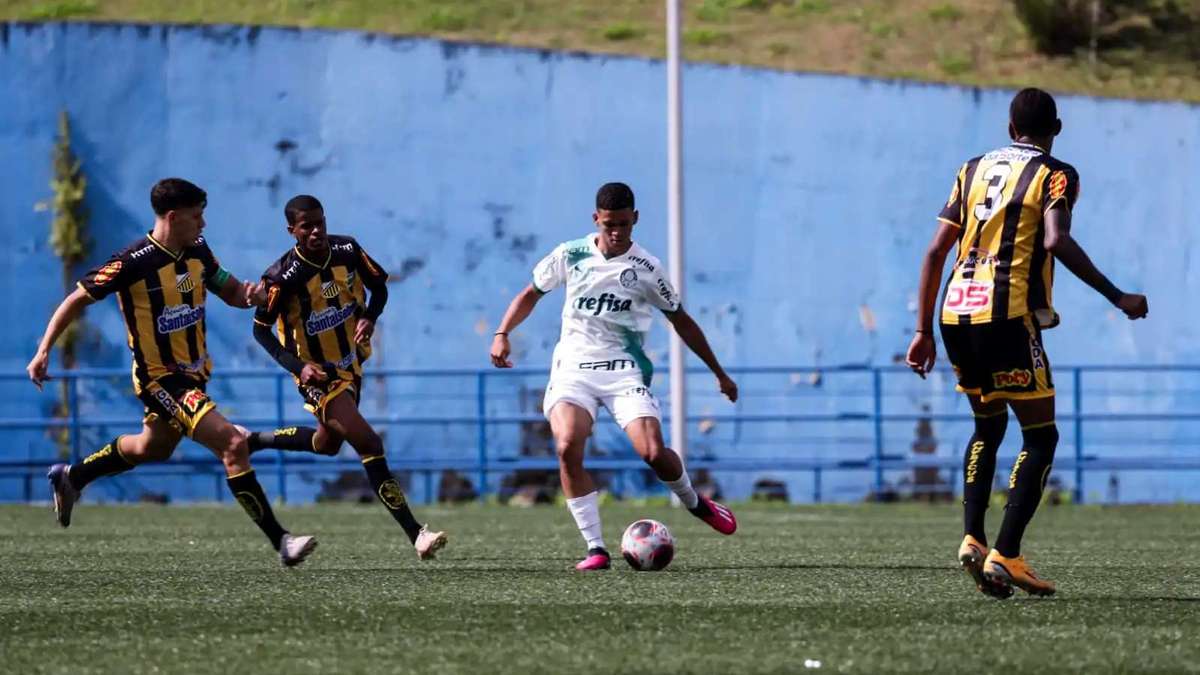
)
(809, 201)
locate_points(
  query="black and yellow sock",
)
(389, 492)
(107, 461)
(979, 469)
(1025, 485)
(250, 495)
(298, 439)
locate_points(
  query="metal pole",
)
(280, 461)
(481, 415)
(1078, 403)
(675, 226)
(877, 389)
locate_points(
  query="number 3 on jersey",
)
(967, 296)
(996, 177)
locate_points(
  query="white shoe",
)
(429, 543)
(293, 550)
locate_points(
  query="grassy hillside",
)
(963, 41)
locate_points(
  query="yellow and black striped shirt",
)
(315, 305)
(998, 202)
(161, 295)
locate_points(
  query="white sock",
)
(586, 511)
(682, 487)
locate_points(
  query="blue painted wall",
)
(809, 201)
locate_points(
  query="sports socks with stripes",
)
(298, 439)
(107, 461)
(389, 493)
(250, 495)
(979, 469)
(1025, 485)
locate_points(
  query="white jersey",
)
(610, 304)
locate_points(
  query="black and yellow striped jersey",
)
(161, 295)
(998, 202)
(315, 305)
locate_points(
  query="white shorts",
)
(623, 392)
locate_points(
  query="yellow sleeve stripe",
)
(949, 222)
(86, 291)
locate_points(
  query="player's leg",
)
(1026, 484)
(645, 433)
(1031, 394)
(970, 352)
(155, 443)
(213, 431)
(319, 440)
(571, 425)
(343, 419)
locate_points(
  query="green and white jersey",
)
(609, 306)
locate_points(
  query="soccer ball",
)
(647, 545)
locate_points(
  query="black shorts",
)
(179, 400)
(999, 360)
(316, 397)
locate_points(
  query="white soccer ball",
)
(647, 545)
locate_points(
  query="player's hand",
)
(38, 369)
(1134, 305)
(363, 331)
(254, 295)
(922, 353)
(500, 351)
(312, 374)
(728, 387)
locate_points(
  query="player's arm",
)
(68, 310)
(1062, 246)
(922, 352)
(692, 335)
(375, 280)
(518, 310)
(308, 373)
(236, 293)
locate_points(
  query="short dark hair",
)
(614, 197)
(1033, 113)
(170, 194)
(299, 204)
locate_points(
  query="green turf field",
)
(860, 588)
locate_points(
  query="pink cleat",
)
(597, 559)
(716, 515)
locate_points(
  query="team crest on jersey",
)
(184, 283)
(107, 273)
(330, 290)
(628, 278)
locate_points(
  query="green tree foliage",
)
(1062, 27)
(69, 240)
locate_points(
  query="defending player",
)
(612, 285)
(316, 295)
(1010, 213)
(161, 281)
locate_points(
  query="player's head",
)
(615, 215)
(1033, 114)
(180, 204)
(306, 222)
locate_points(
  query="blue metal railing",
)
(488, 457)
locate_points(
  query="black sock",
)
(979, 468)
(299, 439)
(389, 492)
(106, 461)
(250, 495)
(1025, 486)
